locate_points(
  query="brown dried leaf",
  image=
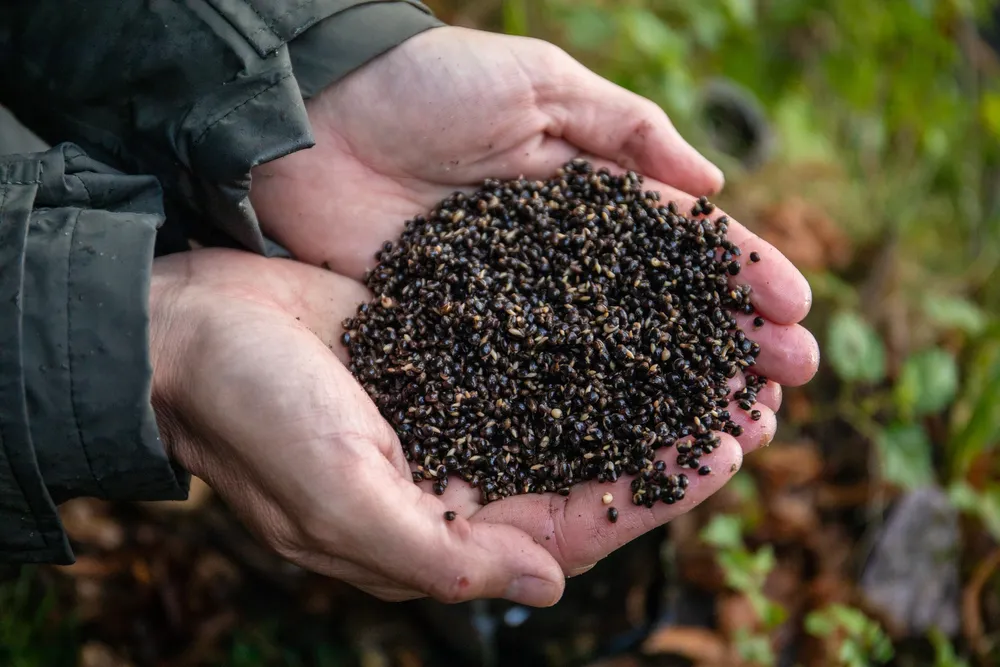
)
(791, 517)
(972, 619)
(699, 645)
(91, 566)
(697, 565)
(87, 522)
(786, 465)
(96, 654)
(735, 612)
(804, 233)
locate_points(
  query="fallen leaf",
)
(790, 517)
(735, 612)
(804, 233)
(96, 654)
(787, 465)
(87, 522)
(699, 645)
(972, 619)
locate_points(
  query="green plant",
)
(862, 642)
(944, 652)
(746, 572)
(31, 632)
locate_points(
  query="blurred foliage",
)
(32, 633)
(862, 642)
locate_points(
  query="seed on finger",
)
(449, 516)
(612, 515)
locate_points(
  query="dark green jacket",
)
(157, 110)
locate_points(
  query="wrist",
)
(166, 344)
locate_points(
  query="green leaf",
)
(650, 34)
(854, 349)
(819, 623)
(773, 615)
(515, 17)
(753, 648)
(905, 455)
(724, 531)
(743, 12)
(927, 382)
(588, 27)
(954, 312)
(983, 505)
(978, 426)
(989, 109)
(944, 652)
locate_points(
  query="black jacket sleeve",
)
(195, 92)
(76, 247)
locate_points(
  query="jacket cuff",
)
(83, 356)
(332, 49)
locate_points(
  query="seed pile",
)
(534, 335)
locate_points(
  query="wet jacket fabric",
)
(156, 111)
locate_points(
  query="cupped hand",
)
(250, 398)
(445, 110)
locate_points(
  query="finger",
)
(399, 532)
(576, 529)
(779, 291)
(603, 118)
(770, 395)
(789, 354)
(458, 496)
(756, 432)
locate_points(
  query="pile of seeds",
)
(534, 335)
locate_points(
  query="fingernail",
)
(720, 178)
(581, 570)
(532, 592)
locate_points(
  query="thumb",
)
(406, 538)
(602, 118)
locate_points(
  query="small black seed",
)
(754, 257)
(612, 514)
(755, 415)
(705, 470)
(532, 335)
(758, 322)
(449, 516)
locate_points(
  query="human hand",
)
(250, 398)
(442, 111)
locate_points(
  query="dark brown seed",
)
(754, 257)
(612, 514)
(449, 516)
(755, 415)
(532, 335)
(705, 470)
(758, 322)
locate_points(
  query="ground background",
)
(862, 139)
